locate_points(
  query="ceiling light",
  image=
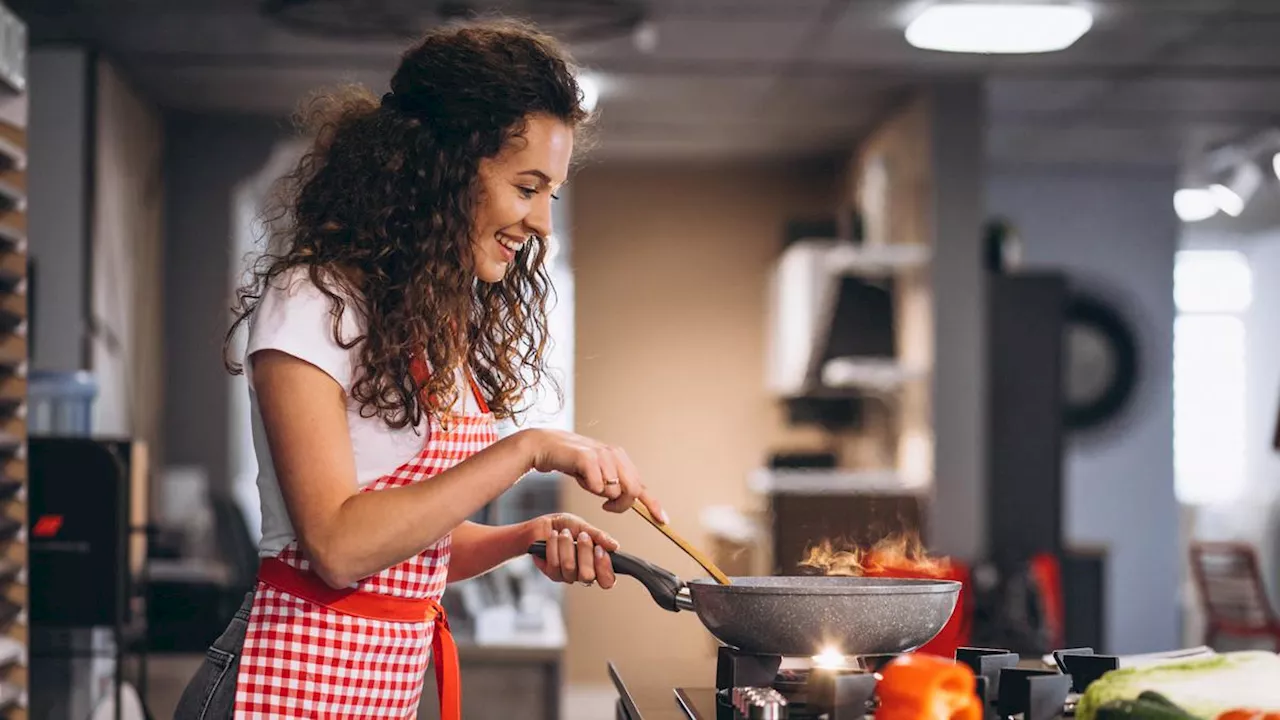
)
(1275, 164)
(1232, 195)
(1227, 200)
(991, 28)
(1194, 204)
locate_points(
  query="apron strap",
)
(420, 371)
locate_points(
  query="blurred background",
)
(838, 270)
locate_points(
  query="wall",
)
(206, 158)
(58, 219)
(1255, 517)
(959, 390)
(126, 261)
(670, 266)
(1116, 229)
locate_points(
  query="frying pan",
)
(800, 616)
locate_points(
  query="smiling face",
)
(516, 190)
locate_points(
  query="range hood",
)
(831, 329)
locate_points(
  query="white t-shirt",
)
(294, 317)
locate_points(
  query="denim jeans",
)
(211, 692)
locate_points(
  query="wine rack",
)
(14, 597)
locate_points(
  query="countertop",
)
(652, 686)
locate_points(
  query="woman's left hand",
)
(576, 550)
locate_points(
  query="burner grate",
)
(845, 693)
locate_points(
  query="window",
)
(1212, 290)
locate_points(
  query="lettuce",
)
(1204, 687)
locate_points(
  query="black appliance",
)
(86, 543)
(1029, 316)
(79, 531)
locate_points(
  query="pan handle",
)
(662, 584)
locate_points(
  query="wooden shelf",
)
(13, 239)
(15, 671)
(13, 388)
(14, 305)
(14, 351)
(13, 190)
(12, 154)
(14, 551)
(15, 468)
(13, 272)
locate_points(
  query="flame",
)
(830, 659)
(901, 554)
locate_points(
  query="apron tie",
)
(387, 608)
(444, 655)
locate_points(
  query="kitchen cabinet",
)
(803, 518)
(502, 682)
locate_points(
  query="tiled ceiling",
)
(1154, 82)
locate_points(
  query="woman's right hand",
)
(600, 469)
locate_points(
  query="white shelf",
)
(870, 260)
(800, 481)
(872, 374)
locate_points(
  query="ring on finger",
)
(587, 583)
(611, 481)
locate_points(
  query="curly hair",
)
(379, 212)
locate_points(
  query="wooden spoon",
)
(693, 552)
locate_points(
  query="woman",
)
(402, 309)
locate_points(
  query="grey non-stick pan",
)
(801, 616)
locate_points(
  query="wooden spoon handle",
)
(700, 557)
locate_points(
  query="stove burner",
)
(838, 693)
(750, 686)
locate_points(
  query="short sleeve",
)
(294, 317)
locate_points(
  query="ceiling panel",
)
(1196, 8)
(657, 96)
(827, 99)
(1256, 42)
(768, 77)
(266, 91)
(743, 9)
(720, 144)
(713, 39)
(1192, 96)
(1006, 95)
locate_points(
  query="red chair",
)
(1232, 594)
(956, 633)
(1047, 573)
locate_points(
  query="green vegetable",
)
(1155, 697)
(1149, 706)
(1200, 688)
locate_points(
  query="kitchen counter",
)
(503, 681)
(647, 690)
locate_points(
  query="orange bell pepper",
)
(926, 687)
(1248, 714)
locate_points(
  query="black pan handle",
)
(662, 584)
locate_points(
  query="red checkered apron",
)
(336, 653)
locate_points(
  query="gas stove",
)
(748, 687)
